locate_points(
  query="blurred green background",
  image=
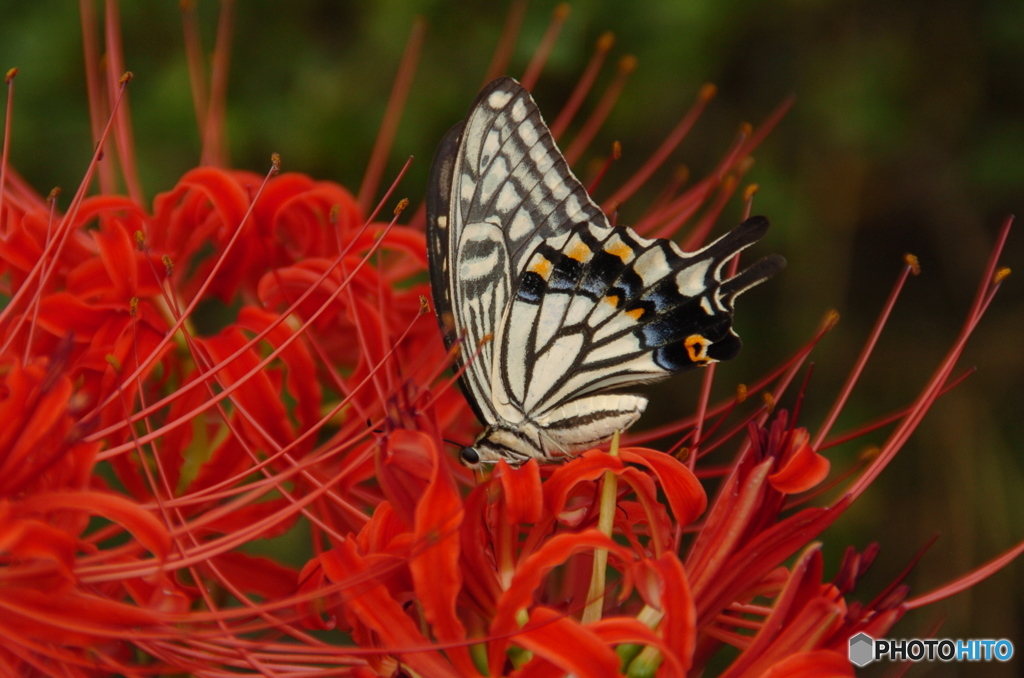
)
(906, 137)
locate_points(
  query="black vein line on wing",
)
(559, 167)
(580, 364)
(512, 138)
(513, 128)
(714, 325)
(476, 328)
(530, 354)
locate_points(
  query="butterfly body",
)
(559, 311)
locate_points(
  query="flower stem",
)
(605, 521)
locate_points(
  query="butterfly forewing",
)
(558, 306)
(499, 187)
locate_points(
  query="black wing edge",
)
(439, 191)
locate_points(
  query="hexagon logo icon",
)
(862, 649)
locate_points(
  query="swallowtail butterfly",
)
(558, 312)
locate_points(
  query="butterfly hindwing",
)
(610, 309)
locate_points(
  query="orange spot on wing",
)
(620, 250)
(579, 252)
(541, 267)
(697, 348)
(636, 313)
(613, 299)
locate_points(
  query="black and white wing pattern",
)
(557, 311)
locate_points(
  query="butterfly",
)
(559, 312)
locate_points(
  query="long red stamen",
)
(212, 126)
(64, 230)
(586, 81)
(196, 61)
(212, 274)
(682, 128)
(9, 80)
(547, 43)
(966, 581)
(37, 300)
(910, 266)
(615, 155)
(205, 365)
(882, 422)
(392, 116)
(123, 137)
(507, 43)
(702, 230)
(801, 354)
(237, 384)
(986, 290)
(200, 293)
(627, 65)
(702, 409)
(98, 108)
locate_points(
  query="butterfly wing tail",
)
(750, 277)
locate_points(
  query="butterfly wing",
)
(561, 306)
(604, 308)
(499, 187)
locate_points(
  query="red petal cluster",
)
(126, 420)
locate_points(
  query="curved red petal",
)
(434, 564)
(370, 604)
(529, 574)
(150, 532)
(587, 467)
(679, 627)
(257, 574)
(816, 664)
(521, 489)
(562, 641)
(804, 468)
(683, 490)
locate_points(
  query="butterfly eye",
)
(470, 457)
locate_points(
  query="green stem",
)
(605, 522)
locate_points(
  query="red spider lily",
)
(141, 452)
